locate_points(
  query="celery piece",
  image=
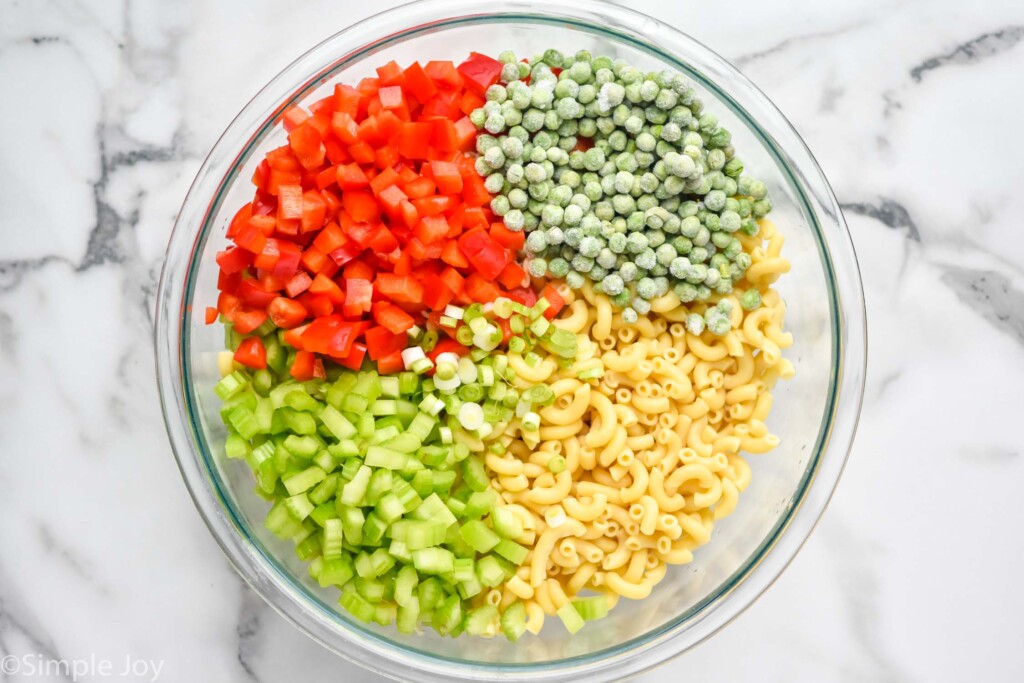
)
(474, 474)
(482, 620)
(299, 506)
(489, 571)
(506, 523)
(308, 549)
(378, 456)
(356, 604)
(447, 616)
(511, 551)
(429, 592)
(352, 520)
(470, 587)
(481, 503)
(479, 535)
(434, 560)
(389, 508)
(337, 423)
(336, 572)
(595, 607)
(304, 480)
(380, 483)
(513, 621)
(230, 385)
(353, 491)
(418, 534)
(373, 530)
(333, 533)
(570, 617)
(408, 615)
(323, 512)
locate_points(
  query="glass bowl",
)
(815, 413)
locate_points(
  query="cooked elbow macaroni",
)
(651, 448)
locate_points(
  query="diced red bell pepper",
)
(392, 317)
(251, 294)
(246, 320)
(380, 342)
(555, 301)
(251, 353)
(403, 289)
(286, 313)
(480, 72)
(234, 260)
(303, 368)
(354, 359)
(297, 284)
(358, 297)
(211, 315)
(391, 363)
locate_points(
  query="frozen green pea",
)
(509, 73)
(617, 243)
(582, 201)
(566, 87)
(574, 279)
(593, 159)
(590, 247)
(494, 183)
(742, 261)
(762, 207)
(719, 138)
(553, 57)
(674, 185)
(712, 278)
(698, 255)
(515, 220)
(573, 237)
(666, 100)
(552, 215)
(568, 108)
(636, 242)
(518, 198)
(665, 254)
(733, 168)
(536, 241)
(581, 263)
(696, 274)
(623, 204)
(572, 215)
(494, 157)
(628, 271)
(500, 205)
(721, 239)
(645, 288)
(730, 221)
(641, 306)
(629, 316)
(685, 291)
(604, 210)
(750, 226)
(496, 93)
(495, 123)
(702, 237)
(679, 267)
(606, 258)
(646, 259)
(558, 267)
(732, 249)
(695, 324)
(537, 267)
(533, 120)
(750, 299)
(715, 200)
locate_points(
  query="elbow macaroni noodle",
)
(652, 449)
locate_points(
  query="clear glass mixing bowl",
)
(815, 413)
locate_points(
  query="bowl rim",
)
(264, 573)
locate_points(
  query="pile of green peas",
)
(619, 177)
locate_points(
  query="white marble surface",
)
(913, 110)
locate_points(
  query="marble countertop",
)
(912, 109)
